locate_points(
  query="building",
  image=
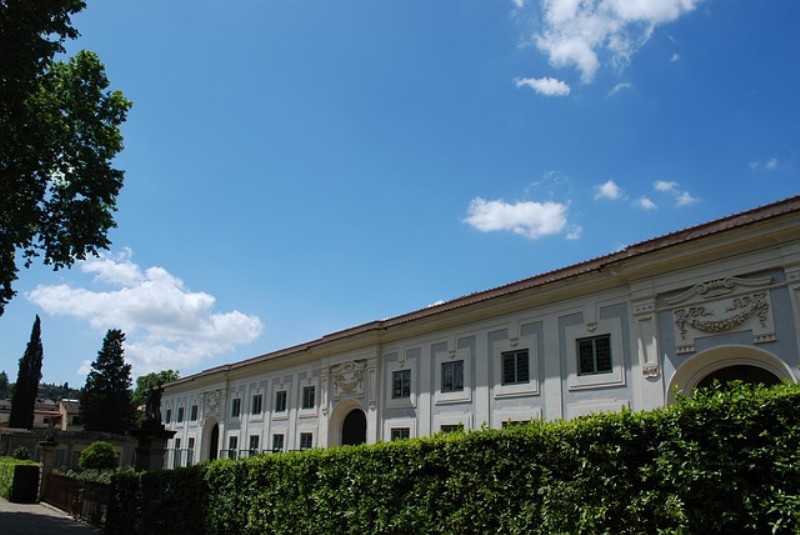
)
(629, 329)
(48, 414)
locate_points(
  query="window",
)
(190, 451)
(168, 416)
(255, 407)
(594, 355)
(253, 444)
(236, 407)
(193, 413)
(233, 445)
(308, 397)
(280, 401)
(401, 384)
(190, 446)
(514, 423)
(451, 428)
(306, 441)
(180, 414)
(399, 433)
(176, 455)
(277, 443)
(515, 367)
(453, 376)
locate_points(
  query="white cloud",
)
(770, 165)
(645, 204)
(608, 190)
(675, 57)
(685, 199)
(575, 232)
(544, 86)
(620, 87)
(682, 198)
(576, 32)
(663, 185)
(166, 325)
(528, 218)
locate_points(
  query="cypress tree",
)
(28, 377)
(106, 398)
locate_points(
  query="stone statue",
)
(152, 412)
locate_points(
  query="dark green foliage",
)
(727, 461)
(106, 398)
(28, 377)
(19, 480)
(5, 388)
(99, 455)
(168, 502)
(21, 453)
(145, 382)
(56, 392)
(60, 133)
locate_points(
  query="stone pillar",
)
(151, 447)
(48, 462)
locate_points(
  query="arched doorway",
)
(727, 363)
(354, 428)
(213, 443)
(740, 372)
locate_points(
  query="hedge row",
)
(19, 480)
(725, 461)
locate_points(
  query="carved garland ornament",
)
(747, 307)
(349, 376)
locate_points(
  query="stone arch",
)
(705, 363)
(209, 447)
(338, 415)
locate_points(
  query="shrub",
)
(21, 453)
(19, 480)
(726, 461)
(99, 455)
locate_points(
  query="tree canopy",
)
(60, 133)
(106, 398)
(152, 379)
(23, 400)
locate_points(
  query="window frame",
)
(456, 383)
(518, 356)
(281, 405)
(404, 384)
(256, 404)
(253, 449)
(394, 362)
(399, 433)
(464, 354)
(305, 435)
(308, 402)
(233, 447)
(573, 333)
(593, 346)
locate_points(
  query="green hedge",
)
(19, 480)
(726, 461)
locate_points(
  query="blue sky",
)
(294, 168)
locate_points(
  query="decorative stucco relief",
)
(348, 378)
(212, 403)
(719, 306)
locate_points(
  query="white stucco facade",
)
(626, 330)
